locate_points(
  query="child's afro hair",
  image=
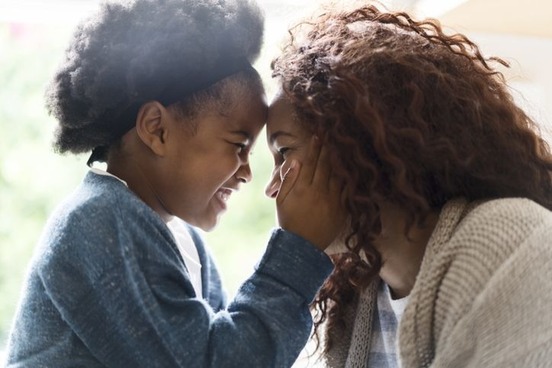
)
(129, 52)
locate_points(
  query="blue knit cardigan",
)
(107, 287)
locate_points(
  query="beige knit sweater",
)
(483, 297)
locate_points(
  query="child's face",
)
(205, 167)
(286, 140)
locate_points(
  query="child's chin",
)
(209, 225)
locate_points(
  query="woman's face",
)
(286, 140)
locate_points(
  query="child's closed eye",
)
(243, 149)
(241, 146)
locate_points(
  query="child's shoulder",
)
(98, 196)
(101, 204)
(100, 219)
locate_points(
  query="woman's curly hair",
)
(130, 52)
(413, 116)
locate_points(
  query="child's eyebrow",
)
(243, 133)
(278, 134)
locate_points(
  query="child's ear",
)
(151, 126)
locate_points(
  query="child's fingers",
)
(309, 202)
(288, 180)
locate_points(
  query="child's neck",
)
(128, 167)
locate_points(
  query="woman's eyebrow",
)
(277, 134)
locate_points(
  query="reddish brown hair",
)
(412, 116)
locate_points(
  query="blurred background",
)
(33, 179)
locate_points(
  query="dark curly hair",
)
(413, 116)
(132, 52)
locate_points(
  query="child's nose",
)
(244, 173)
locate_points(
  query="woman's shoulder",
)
(490, 232)
(475, 239)
(501, 223)
(503, 220)
(508, 209)
(497, 249)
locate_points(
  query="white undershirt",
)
(398, 305)
(188, 251)
(184, 242)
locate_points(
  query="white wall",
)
(530, 72)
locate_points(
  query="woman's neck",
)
(402, 253)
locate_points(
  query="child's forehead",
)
(244, 118)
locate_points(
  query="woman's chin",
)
(336, 247)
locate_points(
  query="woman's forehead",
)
(280, 113)
(283, 122)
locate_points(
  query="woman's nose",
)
(273, 186)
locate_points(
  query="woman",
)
(448, 188)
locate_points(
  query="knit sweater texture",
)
(107, 287)
(482, 298)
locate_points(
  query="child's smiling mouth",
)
(223, 194)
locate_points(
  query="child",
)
(164, 93)
(448, 188)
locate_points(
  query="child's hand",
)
(308, 202)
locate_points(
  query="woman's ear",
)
(151, 126)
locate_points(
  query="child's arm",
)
(139, 317)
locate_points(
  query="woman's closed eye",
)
(282, 151)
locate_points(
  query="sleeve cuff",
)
(296, 262)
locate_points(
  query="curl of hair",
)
(129, 51)
(415, 117)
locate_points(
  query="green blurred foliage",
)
(33, 179)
